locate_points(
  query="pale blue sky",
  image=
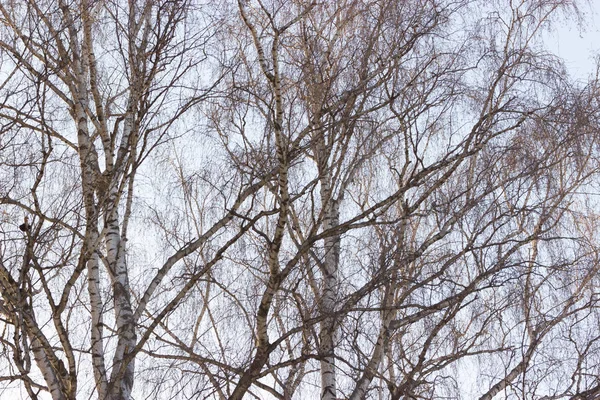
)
(579, 46)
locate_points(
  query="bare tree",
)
(272, 199)
(100, 116)
(413, 131)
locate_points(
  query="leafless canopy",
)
(275, 199)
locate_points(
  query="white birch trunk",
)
(89, 173)
(55, 387)
(97, 325)
(122, 375)
(56, 378)
(327, 334)
(360, 391)
(511, 376)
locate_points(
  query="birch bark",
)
(329, 294)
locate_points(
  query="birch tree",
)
(272, 199)
(413, 133)
(90, 89)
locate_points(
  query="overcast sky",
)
(578, 46)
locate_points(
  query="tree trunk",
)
(329, 269)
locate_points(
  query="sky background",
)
(578, 46)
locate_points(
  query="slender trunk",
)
(327, 334)
(122, 375)
(27, 329)
(97, 325)
(89, 173)
(260, 358)
(57, 391)
(511, 376)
